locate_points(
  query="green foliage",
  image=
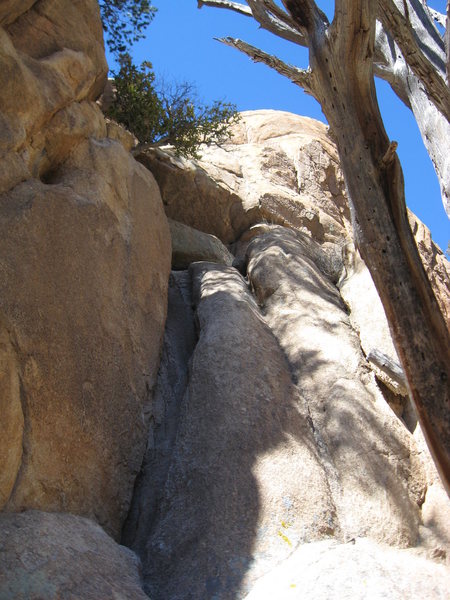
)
(125, 21)
(167, 115)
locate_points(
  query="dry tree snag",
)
(410, 54)
(340, 77)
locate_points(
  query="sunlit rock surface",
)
(266, 446)
(85, 258)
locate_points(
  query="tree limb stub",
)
(300, 77)
(397, 24)
(388, 366)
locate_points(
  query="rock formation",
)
(85, 257)
(55, 556)
(289, 429)
(264, 442)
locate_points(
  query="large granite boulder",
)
(85, 258)
(358, 570)
(191, 245)
(278, 167)
(60, 556)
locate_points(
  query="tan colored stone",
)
(85, 267)
(190, 245)
(279, 167)
(245, 483)
(369, 456)
(115, 131)
(55, 556)
(48, 66)
(50, 26)
(11, 421)
(354, 571)
(85, 258)
(11, 9)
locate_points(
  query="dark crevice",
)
(179, 343)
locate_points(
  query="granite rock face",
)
(279, 168)
(53, 66)
(283, 436)
(190, 245)
(85, 259)
(260, 452)
(56, 556)
(368, 454)
(234, 501)
(288, 431)
(354, 571)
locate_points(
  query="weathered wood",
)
(300, 77)
(447, 43)
(392, 369)
(398, 25)
(391, 65)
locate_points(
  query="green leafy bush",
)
(167, 115)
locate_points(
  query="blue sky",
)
(181, 47)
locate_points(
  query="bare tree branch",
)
(242, 9)
(284, 28)
(278, 12)
(399, 27)
(300, 77)
(269, 18)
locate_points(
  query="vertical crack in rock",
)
(179, 343)
(25, 440)
(245, 485)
